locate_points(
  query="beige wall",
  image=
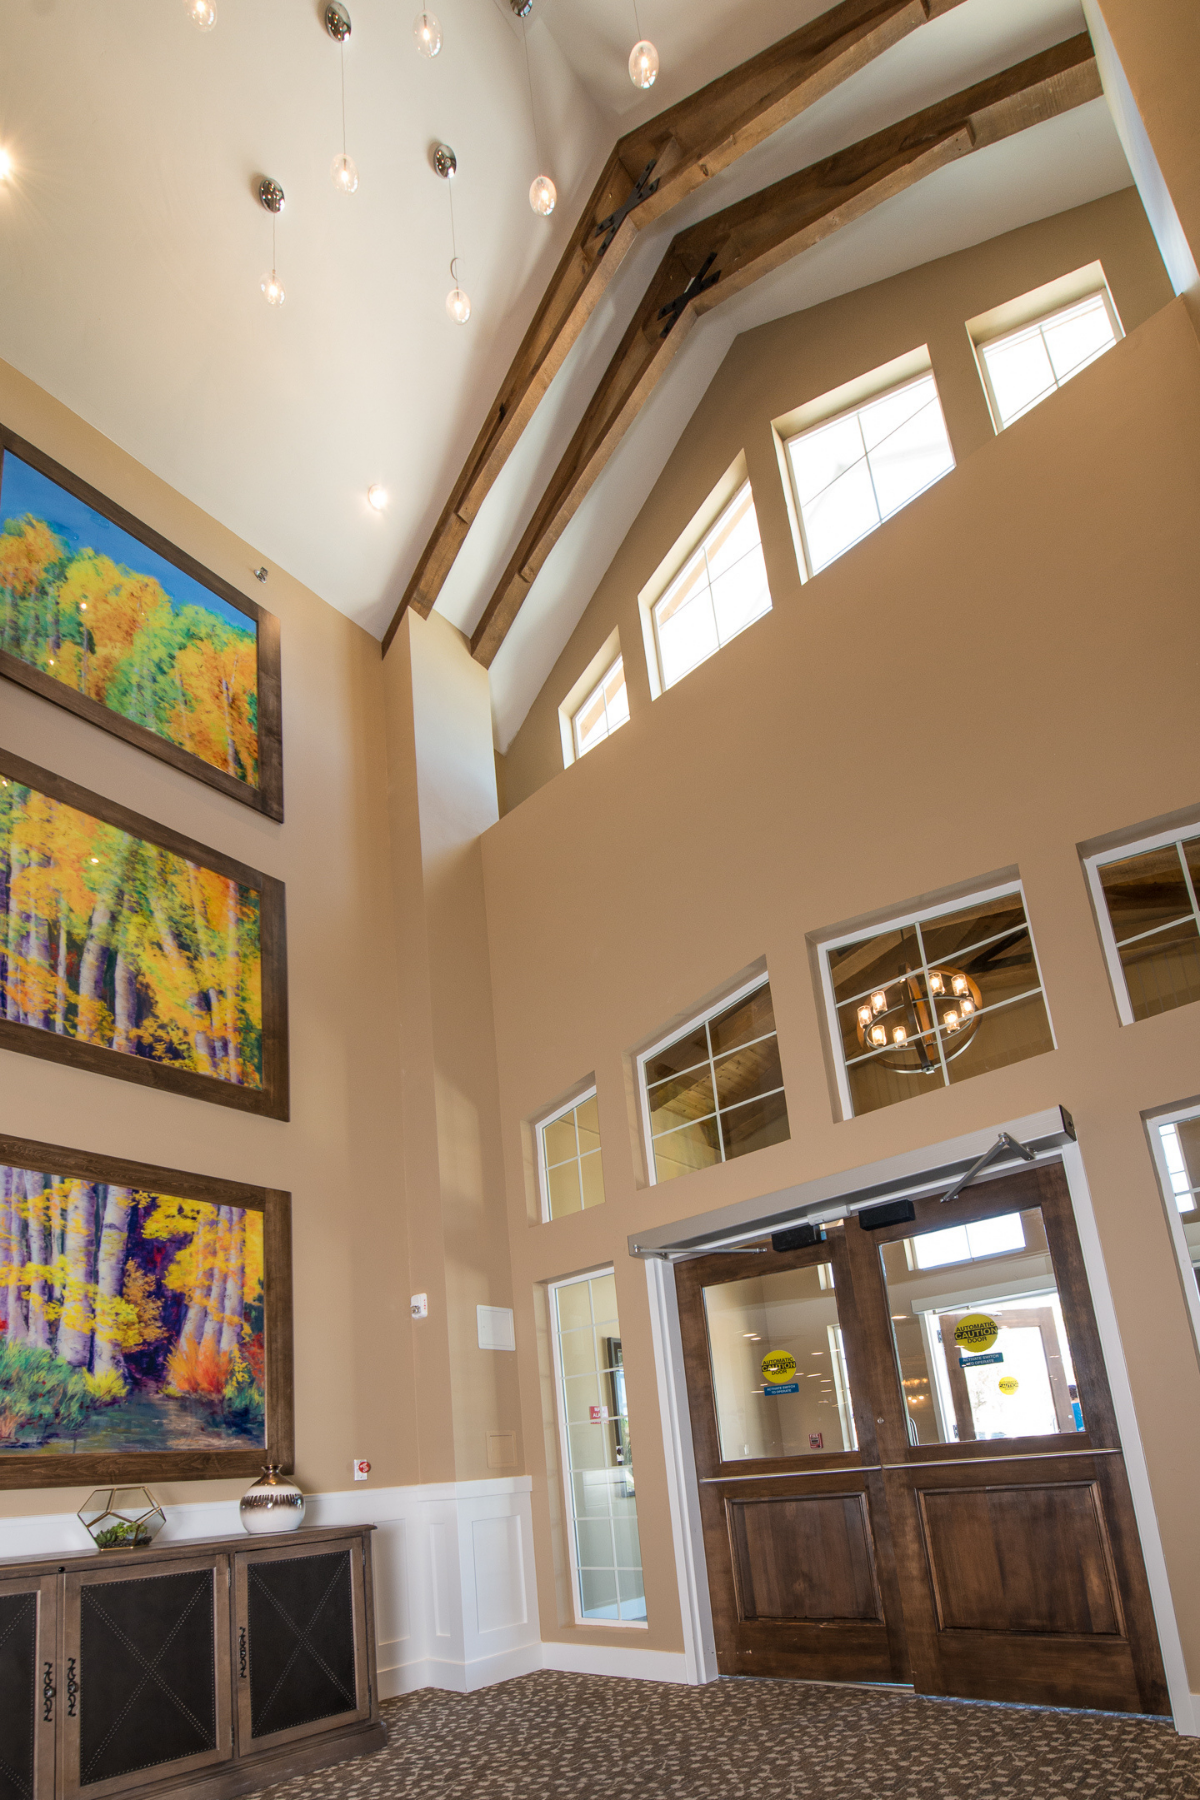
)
(800, 779)
(779, 367)
(339, 1155)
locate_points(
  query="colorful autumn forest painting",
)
(128, 1320)
(93, 607)
(109, 939)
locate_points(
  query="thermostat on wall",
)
(419, 1306)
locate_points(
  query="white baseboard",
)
(458, 1677)
(617, 1659)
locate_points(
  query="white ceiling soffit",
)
(1045, 170)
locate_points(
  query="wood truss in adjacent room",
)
(718, 257)
(650, 171)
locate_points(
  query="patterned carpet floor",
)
(553, 1736)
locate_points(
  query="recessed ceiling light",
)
(378, 496)
(202, 13)
(6, 164)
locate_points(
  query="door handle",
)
(72, 1688)
(48, 1692)
(242, 1654)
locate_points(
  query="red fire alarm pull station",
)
(816, 1440)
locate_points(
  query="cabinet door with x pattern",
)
(300, 1642)
(144, 1684)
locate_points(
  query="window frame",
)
(598, 687)
(893, 922)
(988, 338)
(1175, 1115)
(742, 992)
(744, 486)
(564, 1452)
(1092, 865)
(926, 373)
(539, 1127)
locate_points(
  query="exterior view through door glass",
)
(978, 1328)
(779, 1365)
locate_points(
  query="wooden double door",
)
(908, 1459)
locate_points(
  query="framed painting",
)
(145, 1322)
(134, 952)
(103, 616)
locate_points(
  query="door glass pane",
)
(979, 1332)
(778, 1365)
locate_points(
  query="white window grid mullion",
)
(933, 1011)
(1158, 840)
(1140, 937)
(544, 1166)
(971, 949)
(713, 1056)
(1187, 876)
(671, 1037)
(1183, 1253)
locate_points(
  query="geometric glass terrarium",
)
(126, 1518)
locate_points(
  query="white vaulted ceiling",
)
(131, 246)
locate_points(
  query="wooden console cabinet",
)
(201, 1669)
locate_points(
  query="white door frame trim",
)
(684, 1493)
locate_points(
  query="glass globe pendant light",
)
(271, 199)
(643, 64)
(543, 195)
(343, 169)
(202, 13)
(643, 58)
(445, 164)
(458, 304)
(428, 34)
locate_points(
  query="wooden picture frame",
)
(265, 796)
(80, 1468)
(270, 1097)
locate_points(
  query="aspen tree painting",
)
(129, 1320)
(129, 950)
(117, 625)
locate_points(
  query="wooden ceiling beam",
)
(722, 255)
(650, 171)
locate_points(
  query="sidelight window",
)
(593, 1417)
(1175, 1141)
(715, 1090)
(852, 472)
(1145, 895)
(980, 1339)
(569, 1163)
(929, 999)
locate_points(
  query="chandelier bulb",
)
(879, 1001)
(864, 1016)
(272, 289)
(643, 64)
(878, 1035)
(202, 13)
(344, 173)
(950, 1020)
(543, 196)
(428, 34)
(458, 305)
(899, 1036)
(966, 1008)
(959, 984)
(935, 983)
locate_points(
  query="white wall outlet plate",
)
(419, 1306)
(362, 1468)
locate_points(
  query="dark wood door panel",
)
(805, 1557)
(1091, 1672)
(842, 1650)
(1030, 1559)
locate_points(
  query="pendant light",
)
(271, 197)
(445, 164)
(342, 169)
(543, 195)
(202, 13)
(428, 34)
(643, 58)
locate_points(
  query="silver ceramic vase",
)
(273, 1504)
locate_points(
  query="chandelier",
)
(923, 1017)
